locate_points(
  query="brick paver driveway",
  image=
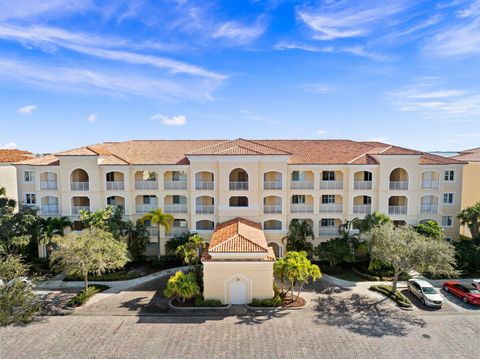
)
(337, 323)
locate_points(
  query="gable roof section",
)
(239, 147)
(472, 155)
(11, 156)
(238, 235)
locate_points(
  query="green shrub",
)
(381, 273)
(200, 302)
(183, 286)
(396, 296)
(85, 295)
(18, 303)
(166, 262)
(335, 251)
(272, 302)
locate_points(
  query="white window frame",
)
(449, 172)
(445, 223)
(30, 195)
(31, 177)
(449, 194)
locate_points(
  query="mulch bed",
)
(287, 302)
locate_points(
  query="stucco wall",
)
(471, 189)
(8, 179)
(216, 276)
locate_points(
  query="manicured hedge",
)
(273, 302)
(396, 296)
(200, 302)
(85, 295)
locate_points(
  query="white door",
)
(238, 292)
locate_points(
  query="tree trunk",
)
(395, 279)
(158, 242)
(300, 289)
(85, 277)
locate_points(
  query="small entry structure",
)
(238, 265)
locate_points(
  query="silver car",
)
(424, 291)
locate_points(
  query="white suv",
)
(424, 291)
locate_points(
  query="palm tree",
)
(161, 219)
(298, 232)
(52, 226)
(137, 238)
(372, 220)
(470, 217)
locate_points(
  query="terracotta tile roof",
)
(472, 155)
(10, 156)
(238, 147)
(45, 160)
(176, 152)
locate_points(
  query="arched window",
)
(238, 201)
(399, 179)
(79, 180)
(238, 180)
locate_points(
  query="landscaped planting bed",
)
(387, 290)
(84, 295)
(198, 302)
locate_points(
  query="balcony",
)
(301, 184)
(272, 208)
(238, 186)
(153, 231)
(175, 185)
(204, 209)
(50, 209)
(331, 184)
(176, 208)
(49, 185)
(301, 208)
(331, 208)
(115, 185)
(146, 185)
(398, 185)
(330, 232)
(79, 186)
(362, 208)
(362, 185)
(76, 209)
(397, 210)
(204, 185)
(430, 184)
(429, 208)
(269, 185)
(176, 231)
(145, 208)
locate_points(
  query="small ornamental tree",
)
(182, 286)
(293, 269)
(12, 267)
(137, 238)
(431, 229)
(335, 251)
(470, 217)
(405, 250)
(92, 251)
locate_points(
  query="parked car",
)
(424, 291)
(468, 293)
(476, 283)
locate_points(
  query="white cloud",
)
(377, 139)
(317, 88)
(92, 117)
(9, 146)
(239, 34)
(179, 120)
(456, 41)
(27, 110)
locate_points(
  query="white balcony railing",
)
(79, 186)
(331, 184)
(301, 184)
(77, 209)
(146, 185)
(49, 185)
(268, 185)
(175, 185)
(301, 208)
(176, 208)
(176, 231)
(272, 208)
(398, 185)
(238, 186)
(329, 232)
(429, 208)
(153, 231)
(331, 208)
(204, 185)
(145, 208)
(430, 184)
(50, 209)
(362, 184)
(205, 209)
(115, 185)
(362, 208)
(397, 209)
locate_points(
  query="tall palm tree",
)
(298, 232)
(51, 226)
(161, 219)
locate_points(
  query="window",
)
(449, 175)
(176, 199)
(30, 199)
(448, 239)
(111, 201)
(110, 177)
(328, 198)
(298, 199)
(238, 201)
(448, 198)
(182, 223)
(328, 222)
(298, 176)
(367, 200)
(328, 176)
(447, 221)
(367, 176)
(179, 176)
(149, 200)
(29, 176)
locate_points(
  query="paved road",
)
(337, 323)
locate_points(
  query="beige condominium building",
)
(471, 180)
(271, 182)
(8, 173)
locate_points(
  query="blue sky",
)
(81, 72)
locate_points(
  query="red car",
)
(468, 293)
